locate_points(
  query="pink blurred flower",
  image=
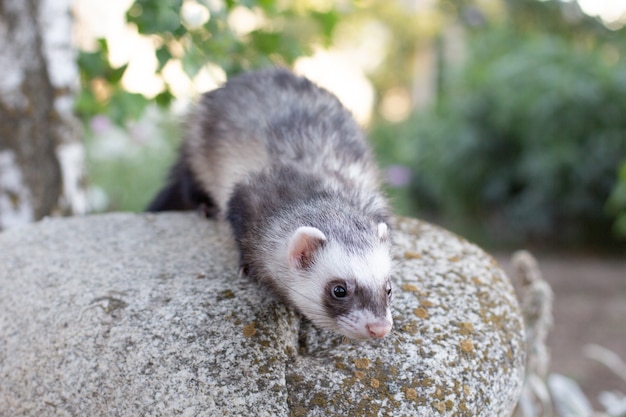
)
(100, 124)
(398, 175)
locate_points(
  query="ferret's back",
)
(273, 117)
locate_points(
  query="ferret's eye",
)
(339, 291)
(388, 289)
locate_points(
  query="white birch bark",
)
(41, 154)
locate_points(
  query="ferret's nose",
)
(379, 329)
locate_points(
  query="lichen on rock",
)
(107, 313)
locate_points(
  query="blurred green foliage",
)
(102, 91)
(288, 32)
(617, 202)
(127, 166)
(524, 143)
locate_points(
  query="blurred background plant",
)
(523, 143)
(547, 394)
(502, 120)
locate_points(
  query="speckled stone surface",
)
(129, 315)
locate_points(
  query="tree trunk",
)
(41, 154)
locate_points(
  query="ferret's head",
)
(344, 290)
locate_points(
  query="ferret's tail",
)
(182, 192)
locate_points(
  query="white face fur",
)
(346, 292)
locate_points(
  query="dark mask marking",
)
(360, 297)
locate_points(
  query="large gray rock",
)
(129, 315)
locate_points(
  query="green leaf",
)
(165, 98)
(124, 106)
(619, 227)
(114, 75)
(96, 65)
(103, 45)
(276, 44)
(193, 60)
(154, 16)
(268, 6)
(87, 105)
(92, 64)
(163, 55)
(328, 22)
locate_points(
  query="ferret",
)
(284, 163)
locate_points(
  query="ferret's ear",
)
(382, 231)
(303, 245)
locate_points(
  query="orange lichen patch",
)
(410, 328)
(420, 312)
(412, 255)
(466, 328)
(426, 303)
(409, 288)
(454, 259)
(362, 363)
(249, 330)
(466, 390)
(359, 374)
(318, 401)
(440, 406)
(410, 394)
(374, 383)
(476, 281)
(467, 345)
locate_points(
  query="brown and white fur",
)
(285, 163)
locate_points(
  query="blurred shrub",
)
(617, 202)
(127, 166)
(524, 143)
